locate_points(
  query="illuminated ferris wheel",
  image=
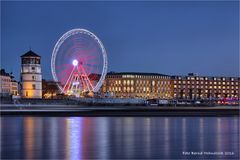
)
(79, 62)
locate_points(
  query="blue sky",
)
(175, 37)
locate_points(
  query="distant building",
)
(159, 86)
(31, 75)
(193, 86)
(137, 85)
(8, 86)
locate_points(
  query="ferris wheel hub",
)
(75, 62)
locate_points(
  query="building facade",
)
(8, 86)
(204, 87)
(31, 75)
(159, 86)
(137, 85)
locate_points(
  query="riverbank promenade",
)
(84, 110)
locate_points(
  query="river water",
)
(75, 138)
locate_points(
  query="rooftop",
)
(30, 54)
(136, 73)
(4, 73)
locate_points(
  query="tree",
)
(49, 88)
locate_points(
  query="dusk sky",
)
(172, 38)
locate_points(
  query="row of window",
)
(32, 69)
(215, 87)
(138, 76)
(207, 78)
(204, 95)
(131, 82)
(144, 89)
(5, 79)
(5, 90)
(206, 91)
(202, 82)
(30, 60)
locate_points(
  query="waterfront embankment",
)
(83, 110)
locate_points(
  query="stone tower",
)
(31, 75)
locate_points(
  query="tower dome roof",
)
(30, 53)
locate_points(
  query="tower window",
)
(33, 77)
(33, 68)
(34, 86)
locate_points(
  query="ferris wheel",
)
(79, 62)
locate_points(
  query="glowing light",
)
(75, 62)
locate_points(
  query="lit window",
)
(132, 89)
(132, 82)
(153, 83)
(128, 82)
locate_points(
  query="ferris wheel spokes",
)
(78, 81)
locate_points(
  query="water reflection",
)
(117, 137)
(166, 137)
(73, 138)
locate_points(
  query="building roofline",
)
(30, 53)
(203, 76)
(136, 73)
